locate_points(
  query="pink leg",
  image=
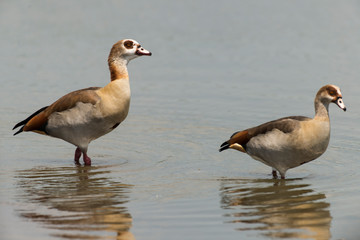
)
(77, 156)
(87, 160)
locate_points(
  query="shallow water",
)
(77, 203)
(215, 69)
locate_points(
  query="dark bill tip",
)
(224, 146)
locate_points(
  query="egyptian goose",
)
(87, 114)
(291, 141)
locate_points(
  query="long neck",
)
(321, 109)
(118, 69)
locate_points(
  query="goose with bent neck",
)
(84, 115)
(291, 141)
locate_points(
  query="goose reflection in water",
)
(80, 203)
(275, 208)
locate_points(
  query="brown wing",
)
(38, 120)
(286, 125)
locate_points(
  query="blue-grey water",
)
(217, 67)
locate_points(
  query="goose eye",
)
(129, 44)
(332, 93)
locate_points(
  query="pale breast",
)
(115, 100)
(314, 136)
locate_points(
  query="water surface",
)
(216, 68)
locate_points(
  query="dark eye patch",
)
(128, 44)
(332, 91)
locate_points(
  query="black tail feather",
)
(224, 146)
(21, 129)
(27, 119)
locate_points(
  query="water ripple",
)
(76, 203)
(275, 208)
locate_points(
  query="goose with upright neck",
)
(84, 115)
(291, 141)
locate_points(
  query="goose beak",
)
(142, 51)
(340, 103)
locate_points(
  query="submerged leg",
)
(77, 156)
(87, 160)
(274, 173)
